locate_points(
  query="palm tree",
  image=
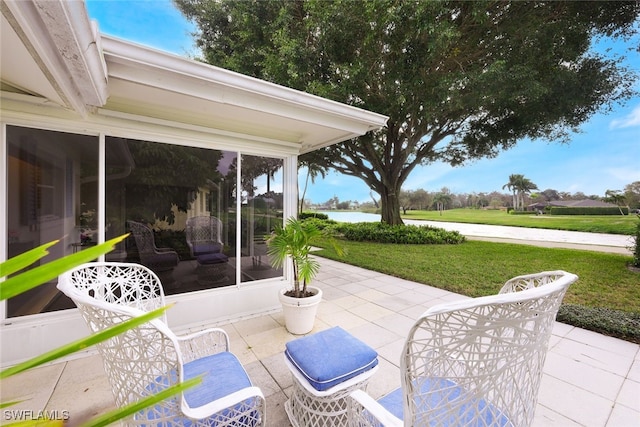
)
(441, 200)
(525, 187)
(313, 170)
(512, 185)
(615, 196)
(293, 241)
(519, 186)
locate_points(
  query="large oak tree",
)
(460, 80)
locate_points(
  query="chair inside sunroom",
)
(157, 259)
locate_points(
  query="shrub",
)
(305, 215)
(400, 234)
(320, 223)
(614, 323)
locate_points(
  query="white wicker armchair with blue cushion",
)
(203, 235)
(475, 362)
(150, 358)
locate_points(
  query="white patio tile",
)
(328, 307)
(260, 377)
(330, 293)
(372, 295)
(396, 323)
(545, 417)
(349, 301)
(614, 345)
(370, 311)
(353, 287)
(630, 395)
(344, 319)
(392, 289)
(415, 311)
(392, 351)
(420, 297)
(385, 380)
(377, 282)
(32, 388)
(241, 349)
(595, 356)
(278, 370)
(276, 415)
(634, 372)
(255, 325)
(562, 329)
(621, 416)
(573, 402)
(592, 379)
(374, 335)
(268, 343)
(336, 281)
(396, 303)
(86, 393)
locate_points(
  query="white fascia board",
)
(275, 99)
(65, 46)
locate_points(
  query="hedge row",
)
(305, 215)
(614, 323)
(400, 234)
(559, 210)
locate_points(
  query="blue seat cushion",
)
(206, 248)
(212, 259)
(221, 373)
(330, 357)
(470, 410)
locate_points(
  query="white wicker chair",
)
(203, 235)
(476, 362)
(157, 259)
(150, 357)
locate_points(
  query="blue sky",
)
(604, 156)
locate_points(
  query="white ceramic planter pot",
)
(300, 313)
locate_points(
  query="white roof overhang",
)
(51, 50)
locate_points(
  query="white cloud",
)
(630, 120)
(625, 174)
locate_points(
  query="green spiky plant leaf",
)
(30, 279)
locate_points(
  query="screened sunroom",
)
(102, 137)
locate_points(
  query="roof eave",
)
(65, 45)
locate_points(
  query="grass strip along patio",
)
(478, 268)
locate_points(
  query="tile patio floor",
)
(589, 379)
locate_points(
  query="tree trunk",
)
(390, 206)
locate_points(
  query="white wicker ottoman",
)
(326, 367)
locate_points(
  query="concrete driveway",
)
(614, 243)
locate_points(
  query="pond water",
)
(353, 216)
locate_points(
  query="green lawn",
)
(612, 224)
(477, 268)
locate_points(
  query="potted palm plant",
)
(293, 242)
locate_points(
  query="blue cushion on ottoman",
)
(330, 357)
(212, 259)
